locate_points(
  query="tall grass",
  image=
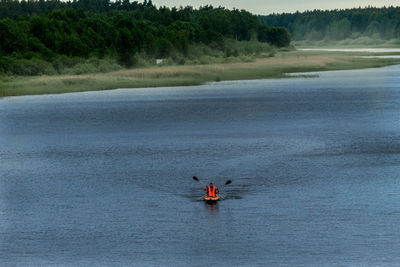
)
(249, 48)
(180, 75)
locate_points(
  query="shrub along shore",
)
(194, 74)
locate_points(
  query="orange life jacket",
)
(211, 190)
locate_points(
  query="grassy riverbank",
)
(182, 75)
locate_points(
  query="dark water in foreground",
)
(104, 178)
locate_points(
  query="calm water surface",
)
(104, 178)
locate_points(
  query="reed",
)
(183, 75)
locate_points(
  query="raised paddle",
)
(197, 179)
(227, 182)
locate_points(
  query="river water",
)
(368, 50)
(104, 178)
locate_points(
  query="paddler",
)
(211, 190)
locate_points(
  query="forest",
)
(57, 37)
(368, 23)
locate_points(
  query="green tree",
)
(373, 29)
(12, 36)
(164, 47)
(340, 30)
(124, 45)
(278, 36)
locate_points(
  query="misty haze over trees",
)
(48, 37)
(373, 23)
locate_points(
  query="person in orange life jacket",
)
(211, 190)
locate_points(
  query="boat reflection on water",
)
(212, 208)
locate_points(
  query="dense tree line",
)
(37, 31)
(382, 23)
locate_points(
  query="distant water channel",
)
(368, 50)
(104, 178)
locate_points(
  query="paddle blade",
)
(228, 182)
(195, 178)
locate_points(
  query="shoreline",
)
(279, 66)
